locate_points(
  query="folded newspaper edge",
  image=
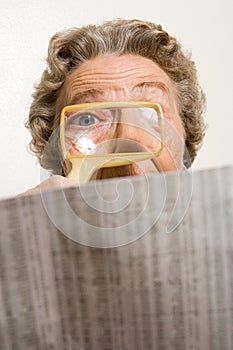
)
(128, 263)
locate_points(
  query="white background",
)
(205, 27)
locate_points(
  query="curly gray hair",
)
(68, 49)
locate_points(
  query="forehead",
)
(124, 77)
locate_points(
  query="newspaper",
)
(136, 263)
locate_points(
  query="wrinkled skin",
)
(112, 78)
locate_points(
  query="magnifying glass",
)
(109, 134)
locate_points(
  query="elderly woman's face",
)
(112, 78)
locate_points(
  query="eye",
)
(85, 119)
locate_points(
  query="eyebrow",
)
(94, 93)
(79, 97)
(153, 84)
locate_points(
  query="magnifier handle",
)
(75, 173)
(83, 168)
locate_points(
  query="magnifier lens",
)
(101, 131)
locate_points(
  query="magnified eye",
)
(86, 119)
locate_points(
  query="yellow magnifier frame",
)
(96, 161)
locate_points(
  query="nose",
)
(123, 145)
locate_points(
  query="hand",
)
(54, 182)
